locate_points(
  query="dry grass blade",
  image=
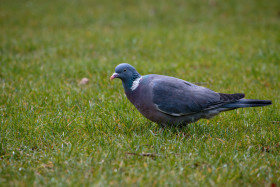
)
(142, 154)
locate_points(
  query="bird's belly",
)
(156, 116)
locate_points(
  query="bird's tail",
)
(243, 103)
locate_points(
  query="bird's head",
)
(126, 73)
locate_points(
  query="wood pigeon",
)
(172, 101)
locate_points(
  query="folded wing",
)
(177, 97)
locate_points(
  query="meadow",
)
(56, 132)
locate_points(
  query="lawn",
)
(56, 132)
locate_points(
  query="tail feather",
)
(243, 103)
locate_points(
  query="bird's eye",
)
(124, 70)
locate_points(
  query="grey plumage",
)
(172, 101)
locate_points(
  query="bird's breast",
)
(141, 98)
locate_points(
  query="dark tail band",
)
(243, 103)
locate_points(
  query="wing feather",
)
(177, 97)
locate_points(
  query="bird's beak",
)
(115, 75)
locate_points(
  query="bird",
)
(170, 101)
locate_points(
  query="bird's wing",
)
(177, 97)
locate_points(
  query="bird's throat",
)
(132, 84)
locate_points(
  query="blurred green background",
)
(56, 132)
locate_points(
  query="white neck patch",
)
(135, 83)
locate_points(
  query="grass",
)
(55, 132)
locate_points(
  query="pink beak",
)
(115, 75)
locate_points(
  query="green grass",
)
(55, 132)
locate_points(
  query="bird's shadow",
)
(196, 129)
